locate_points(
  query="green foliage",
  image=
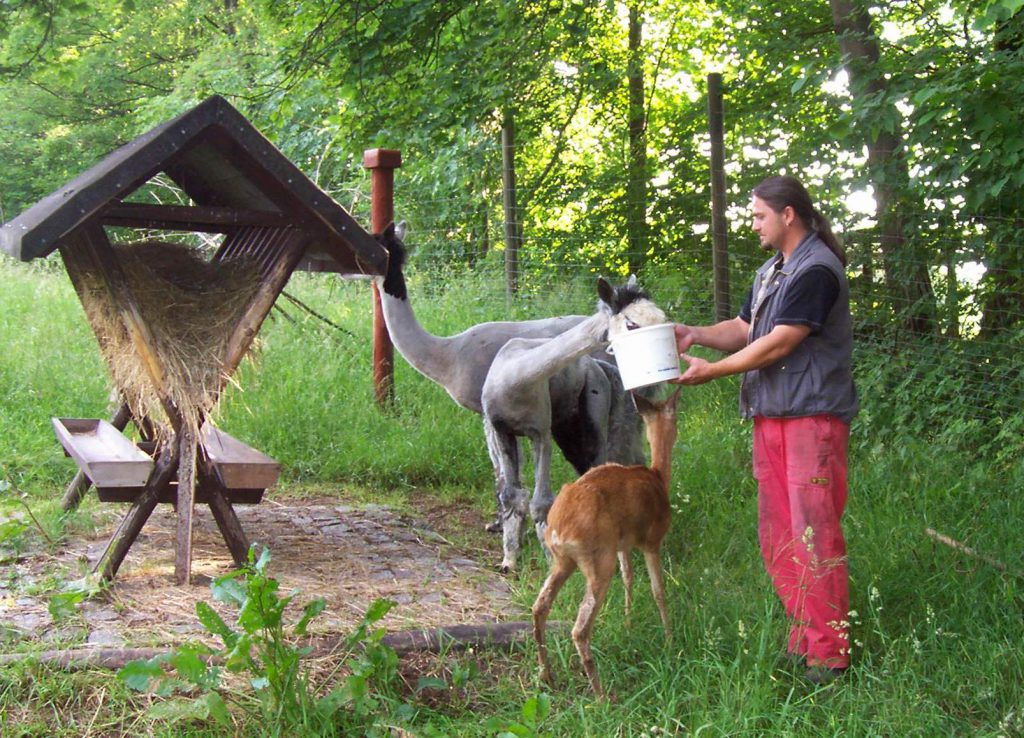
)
(260, 646)
(534, 712)
(327, 81)
(953, 394)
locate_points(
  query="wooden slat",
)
(170, 495)
(262, 301)
(188, 218)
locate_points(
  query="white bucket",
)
(646, 355)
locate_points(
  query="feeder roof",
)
(230, 171)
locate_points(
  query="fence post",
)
(513, 229)
(382, 164)
(719, 227)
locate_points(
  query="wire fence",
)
(953, 376)
(939, 318)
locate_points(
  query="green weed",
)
(260, 646)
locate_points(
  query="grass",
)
(937, 635)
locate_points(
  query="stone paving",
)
(346, 554)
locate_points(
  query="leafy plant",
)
(534, 712)
(456, 686)
(260, 646)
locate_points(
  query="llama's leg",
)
(653, 561)
(512, 498)
(626, 567)
(599, 572)
(493, 443)
(515, 502)
(543, 498)
(597, 406)
(560, 571)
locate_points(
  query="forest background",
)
(901, 117)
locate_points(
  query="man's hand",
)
(686, 336)
(698, 372)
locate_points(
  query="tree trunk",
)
(636, 189)
(1002, 301)
(906, 277)
(1003, 295)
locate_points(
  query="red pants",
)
(800, 467)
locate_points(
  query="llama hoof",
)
(494, 526)
(506, 569)
(546, 678)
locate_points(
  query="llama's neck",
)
(429, 354)
(552, 355)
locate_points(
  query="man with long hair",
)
(792, 342)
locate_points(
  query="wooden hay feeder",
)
(158, 309)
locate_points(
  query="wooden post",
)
(187, 443)
(719, 227)
(223, 512)
(382, 164)
(513, 232)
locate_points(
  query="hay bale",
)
(190, 305)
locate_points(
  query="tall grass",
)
(938, 635)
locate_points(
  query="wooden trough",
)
(273, 219)
(119, 469)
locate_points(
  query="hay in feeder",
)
(190, 306)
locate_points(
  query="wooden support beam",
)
(263, 300)
(117, 548)
(207, 219)
(187, 442)
(223, 511)
(93, 243)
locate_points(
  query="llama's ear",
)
(389, 232)
(606, 292)
(400, 230)
(631, 282)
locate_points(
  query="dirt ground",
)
(348, 554)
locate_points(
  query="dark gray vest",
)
(816, 378)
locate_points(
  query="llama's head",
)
(394, 279)
(630, 307)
